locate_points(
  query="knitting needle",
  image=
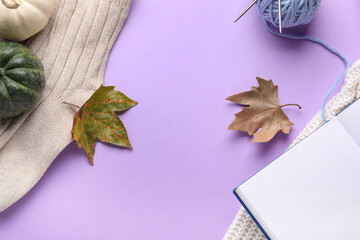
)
(280, 20)
(246, 10)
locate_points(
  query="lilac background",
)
(180, 59)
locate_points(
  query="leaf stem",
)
(291, 104)
(71, 104)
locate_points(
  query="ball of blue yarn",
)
(293, 12)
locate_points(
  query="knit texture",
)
(243, 227)
(74, 49)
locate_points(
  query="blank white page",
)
(350, 119)
(312, 192)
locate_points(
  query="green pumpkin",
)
(22, 79)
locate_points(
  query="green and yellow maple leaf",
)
(97, 120)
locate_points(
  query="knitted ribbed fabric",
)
(243, 227)
(74, 48)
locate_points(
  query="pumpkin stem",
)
(12, 4)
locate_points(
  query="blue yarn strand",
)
(325, 45)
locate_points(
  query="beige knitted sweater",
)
(74, 48)
(243, 227)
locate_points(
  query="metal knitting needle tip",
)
(280, 20)
(246, 10)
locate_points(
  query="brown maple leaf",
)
(261, 111)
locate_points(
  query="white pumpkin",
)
(21, 19)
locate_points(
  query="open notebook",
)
(311, 192)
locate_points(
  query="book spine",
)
(251, 215)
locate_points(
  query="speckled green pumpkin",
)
(22, 79)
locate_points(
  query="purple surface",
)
(180, 59)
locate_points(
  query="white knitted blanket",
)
(243, 227)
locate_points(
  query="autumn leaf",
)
(97, 119)
(261, 111)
